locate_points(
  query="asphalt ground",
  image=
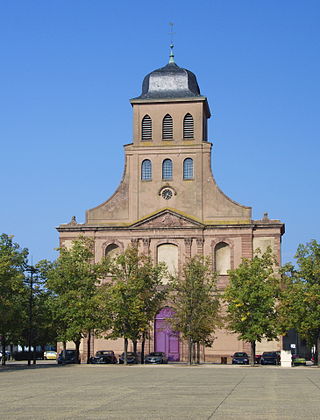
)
(49, 391)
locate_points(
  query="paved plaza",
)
(48, 391)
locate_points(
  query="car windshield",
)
(239, 354)
(270, 354)
(157, 354)
(106, 352)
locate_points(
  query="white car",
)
(50, 355)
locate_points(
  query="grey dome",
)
(170, 81)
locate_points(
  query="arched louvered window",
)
(188, 127)
(146, 128)
(146, 170)
(188, 168)
(167, 128)
(167, 169)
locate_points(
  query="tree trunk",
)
(125, 361)
(253, 352)
(3, 345)
(198, 353)
(77, 343)
(190, 351)
(142, 347)
(64, 348)
(135, 345)
(88, 346)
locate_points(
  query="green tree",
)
(195, 302)
(13, 294)
(44, 327)
(300, 298)
(40, 328)
(72, 280)
(131, 296)
(251, 298)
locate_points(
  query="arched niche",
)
(168, 253)
(112, 250)
(222, 258)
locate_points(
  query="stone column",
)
(246, 245)
(187, 245)
(135, 242)
(200, 243)
(146, 245)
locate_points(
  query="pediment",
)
(167, 219)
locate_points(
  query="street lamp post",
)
(32, 270)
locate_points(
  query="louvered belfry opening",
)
(146, 128)
(188, 127)
(167, 128)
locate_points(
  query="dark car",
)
(270, 358)
(25, 355)
(132, 358)
(68, 357)
(156, 357)
(104, 357)
(240, 358)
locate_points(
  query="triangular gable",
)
(167, 219)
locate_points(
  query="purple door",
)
(165, 339)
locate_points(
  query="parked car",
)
(50, 355)
(298, 361)
(156, 357)
(104, 357)
(132, 358)
(67, 357)
(240, 358)
(270, 358)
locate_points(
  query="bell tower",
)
(168, 163)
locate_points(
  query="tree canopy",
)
(131, 296)
(195, 302)
(251, 298)
(300, 298)
(72, 280)
(13, 292)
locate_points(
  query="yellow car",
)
(50, 355)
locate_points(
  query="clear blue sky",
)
(69, 67)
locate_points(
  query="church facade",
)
(169, 205)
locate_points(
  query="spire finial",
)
(171, 58)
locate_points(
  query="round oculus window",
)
(166, 194)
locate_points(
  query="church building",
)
(169, 205)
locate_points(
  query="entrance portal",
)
(166, 340)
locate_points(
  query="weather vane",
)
(171, 59)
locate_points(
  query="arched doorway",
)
(165, 339)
